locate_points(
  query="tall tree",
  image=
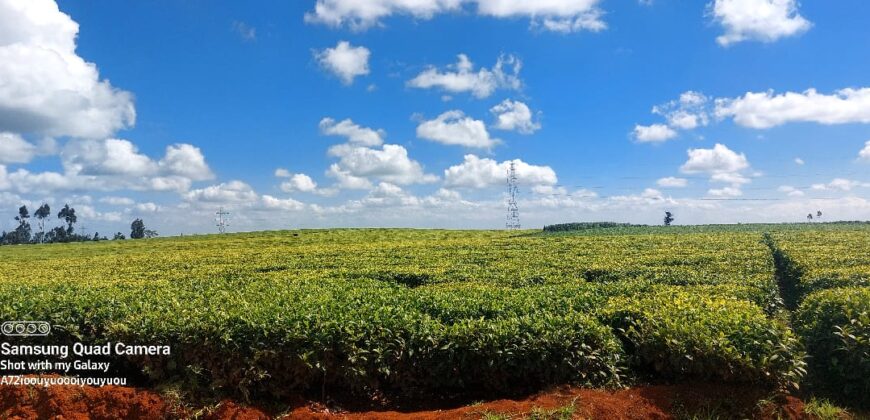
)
(669, 218)
(137, 229)
(23, 215)
(68, 214)
(42, 213)
(22, 232)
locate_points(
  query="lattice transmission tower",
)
(513, 212)
(222, 220)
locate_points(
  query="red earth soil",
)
(644, 402)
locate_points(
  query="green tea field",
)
(396, 317)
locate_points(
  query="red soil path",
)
(645, 402)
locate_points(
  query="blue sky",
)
(330, 113)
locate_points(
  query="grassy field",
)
(410, 313)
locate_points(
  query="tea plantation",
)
(408, 313)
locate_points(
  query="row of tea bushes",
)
(261, 338)
(832, 279)
(835, 327)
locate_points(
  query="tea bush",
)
(678, 334)
(835, 326)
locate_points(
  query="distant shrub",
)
(567, 227)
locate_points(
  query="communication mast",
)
(513, 213)
(222, 221)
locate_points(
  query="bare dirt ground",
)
(643, 402)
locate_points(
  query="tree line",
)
(24, 233)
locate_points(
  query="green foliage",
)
(565, 227)
(565, 412)
(835, 324)
(825, 260)
(490, 415)
(68, 215)
(832, 273)
(405, 313)
(137, 229)
(822, 409)
(679, 334)
(261, 340)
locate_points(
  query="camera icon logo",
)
(25, 328)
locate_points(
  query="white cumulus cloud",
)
(655, 133)
(354, 133)
(232, 192)
(286, 204)
(345, 61)
(114, 164)
(46, 87)
(346, 180)
(723, 165)
(390, 163)
(107, 157)
(14, 149)
(759, 20)
(122, 158)
(718, 160)
(186, 161)
(767, 109)
(454, 128)
(461, 77)
(298, 182)
(689, 111)
(362, 14)
(553, 15)
(686, 113)
(762, 110)
(514, 116)
(475, 172)
(302, 183)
